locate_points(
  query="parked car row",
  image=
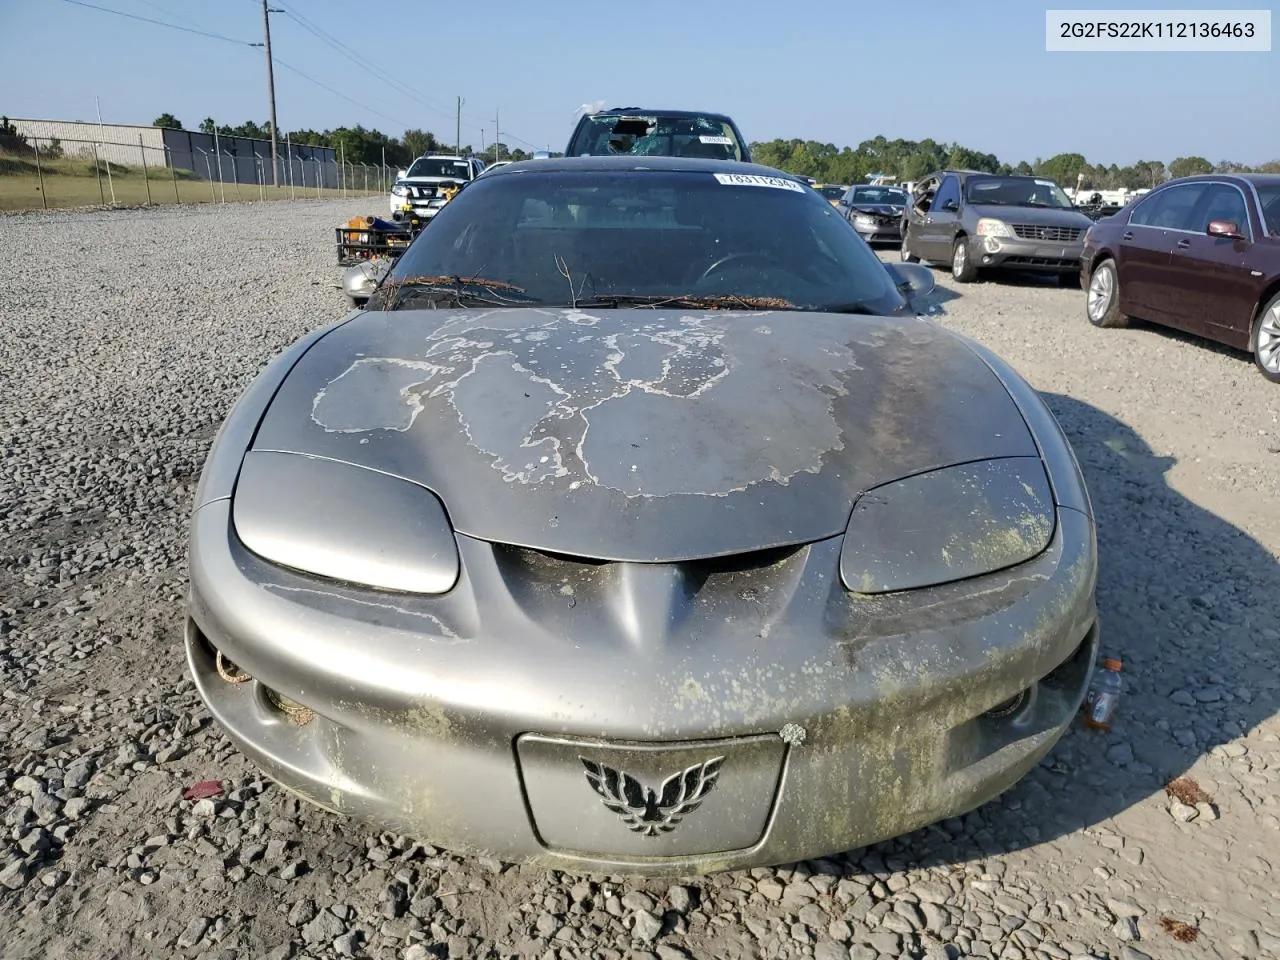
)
(1200, 254)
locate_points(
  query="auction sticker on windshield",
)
(725, 141)
(755, 180)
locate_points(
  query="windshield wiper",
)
(723, 302)
(455, 291)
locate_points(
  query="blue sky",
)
(839, 72)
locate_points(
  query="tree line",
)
(825, 162)
(356, 144)
(911, 160)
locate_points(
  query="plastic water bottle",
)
(1104, 696)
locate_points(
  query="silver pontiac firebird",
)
(641, 525)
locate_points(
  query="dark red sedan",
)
(1201, 254)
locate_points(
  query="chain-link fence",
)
(48, 173)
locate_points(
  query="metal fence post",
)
(142, 152)
(173, 172)
(111, 184)
(44, 199)
(97, 167)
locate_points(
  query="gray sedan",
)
(644, 528)
(875, 212)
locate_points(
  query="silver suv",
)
(425, 187)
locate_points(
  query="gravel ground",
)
(125, 337)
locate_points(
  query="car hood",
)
(877, 208)
(1035, 215)
(430, 181)
(643, 435)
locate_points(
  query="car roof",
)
(648, 111)
(641, 165)
(1257, 179)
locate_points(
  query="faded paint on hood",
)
(639, 434)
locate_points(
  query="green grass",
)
(75, 183)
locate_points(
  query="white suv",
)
(421, 186)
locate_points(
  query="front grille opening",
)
(1040, 262)
(562, 563)
(1070, 675)
(1011, 706)
(1033, 231)
(743, 562)
(294, 712)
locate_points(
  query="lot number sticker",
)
(754, 180)
(725, 141)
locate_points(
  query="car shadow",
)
(1191, 339)
(1183, 599)
(935, 303)
(1013, 278)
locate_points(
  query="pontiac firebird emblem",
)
(646, 811)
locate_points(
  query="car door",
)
(1145, 252)
(1211, 277)
(916, 217)
(944, 219)
(846, 204)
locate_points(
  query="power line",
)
(321, 34)
(336, 93)
(341, 47)
(398, 85)
(161, 23)
(172, 13)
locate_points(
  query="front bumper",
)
(470, 720)
(422, 209)
(1015, 253)
(880, 232)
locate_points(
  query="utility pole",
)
(497, 137)
(271, 88)
(457, 141)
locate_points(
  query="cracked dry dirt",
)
(124, 338)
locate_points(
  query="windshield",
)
(628, 238)
(1016, 192)
(429, 167)
(887, 195)
(831, 193)
(656, 136)
(1269, 194)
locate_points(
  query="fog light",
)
(228, 671)
(1009, 707)
(294, 712)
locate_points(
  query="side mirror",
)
(912, 279)
(951, 205)
(1225, 228)
(401, 174)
